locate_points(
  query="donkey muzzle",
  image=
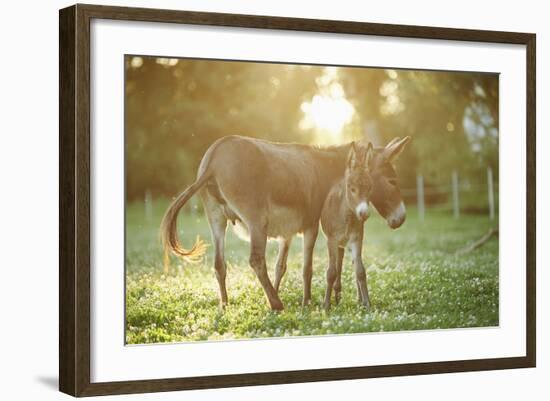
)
(397, 216)
(362, 211)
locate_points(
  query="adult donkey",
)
(275, 190)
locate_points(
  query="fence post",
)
(456, 206)
(420, 196)
(148, 206)
(491, 195)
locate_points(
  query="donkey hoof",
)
(277, 305)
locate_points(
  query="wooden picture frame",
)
(74, 199)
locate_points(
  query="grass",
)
(415, 280)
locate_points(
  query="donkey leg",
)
(360, 274)
(284, 244)
(218, 225)
(310, 236)
(258, 239)
(338, 283)
(332, 272)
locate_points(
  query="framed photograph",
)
(250, 200)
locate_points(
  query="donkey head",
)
(358, 183)
(386, 196)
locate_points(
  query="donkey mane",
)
(322, 149)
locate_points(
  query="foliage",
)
(175, 112)
(415, 281)
(176, 108)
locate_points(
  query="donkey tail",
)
(168, 228)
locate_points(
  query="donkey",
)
(369, 178)
(344, 213)
(275, 190)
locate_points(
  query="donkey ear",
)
(352, 156)
(395, 147)
(369, 155)
(396, 139)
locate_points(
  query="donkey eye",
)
(392, 181)
(353, 190)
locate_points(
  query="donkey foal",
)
(344, 213)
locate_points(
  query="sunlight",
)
(328, 111)
(327, 114)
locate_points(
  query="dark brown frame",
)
(74, 199)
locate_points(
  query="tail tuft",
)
(190, 256)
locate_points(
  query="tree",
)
(175, 109)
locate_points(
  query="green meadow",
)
(416, 282)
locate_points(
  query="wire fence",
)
(458, 196)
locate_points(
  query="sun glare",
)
(328, 111)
